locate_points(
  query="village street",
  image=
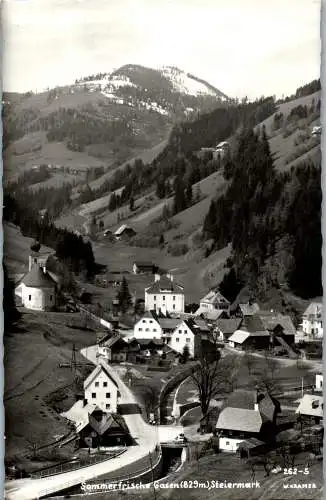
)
(146, 436)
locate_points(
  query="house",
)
(241, 310)
(144, 268)
(278, 325)
(213, 301)
(102, 429)
(316, 130)
(148, 327)
(311, 409)
(164, 295)
(189, 333)
(101, 389)
(124, 231)
(221, 150)
(251, 335)
(312, 321)
(224, 328)
(37, 290)
(140, 348)
(113, 348)
(213, 315)
(246, 415)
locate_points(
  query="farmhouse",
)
(164, 296)
(144, 268)
(311, 409)
(123, 232)
(113, 348)
(37, 289)
(101, 389)
(226, 327)
(102, 429)
(148, 327)
(246, 415)
(188, 333)
(213, 301)
(241, 310)
(312, 321)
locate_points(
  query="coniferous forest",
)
(272, 220)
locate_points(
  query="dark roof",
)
(228, 326)
(144, 264)
(150, 342)
(271, 320)
(164, 285)
(196, 326)
(37, 278)
(246, 400)
(110, 421)
(253, 324)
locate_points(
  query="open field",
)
(33, 352)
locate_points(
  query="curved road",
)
(145, 435)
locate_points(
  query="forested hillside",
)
(272, 219)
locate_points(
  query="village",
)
(274, 398)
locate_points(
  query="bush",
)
(178, 249)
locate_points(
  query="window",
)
(29, 297)
(227, 443)
(93, 395)
(35, 260)
(144, 321)
(151, 321)
(50, 298)
(187, 339)
(163, 297)
(154, 330)
(97, 384)
(108, 395)
(140, 329)
(107, 406)
(173, 306)
(154, 297)
(173, 297)
(184, 331)
(177, 339)
(146, 329)
(105, 384)
(180, 331)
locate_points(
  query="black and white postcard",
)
(163, 299)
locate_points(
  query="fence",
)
(71, 466)
(69, 484)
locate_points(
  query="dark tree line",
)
(272, 220)
(70, 248)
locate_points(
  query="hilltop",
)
(100, 120)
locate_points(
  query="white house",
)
(164, 296)
(148, 327)
(101, 389)
(188, 333)
(246, 415)
(37, 289)
(312, 320)
(213, 301)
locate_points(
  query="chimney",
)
(157, 277)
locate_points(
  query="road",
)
(146, 436)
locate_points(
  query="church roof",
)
(37, 278)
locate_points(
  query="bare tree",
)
(150, 398)
(214, 376)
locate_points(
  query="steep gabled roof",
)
(271, 320)
(213, 297)
(228, 326)
(239, 419)
(239, 336)
(253, 324)
(164, 285)
(37, 278)
(311, 405)
(314, 309)
(100, 367)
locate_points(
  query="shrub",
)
(178, 249)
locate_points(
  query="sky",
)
(242, 47)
